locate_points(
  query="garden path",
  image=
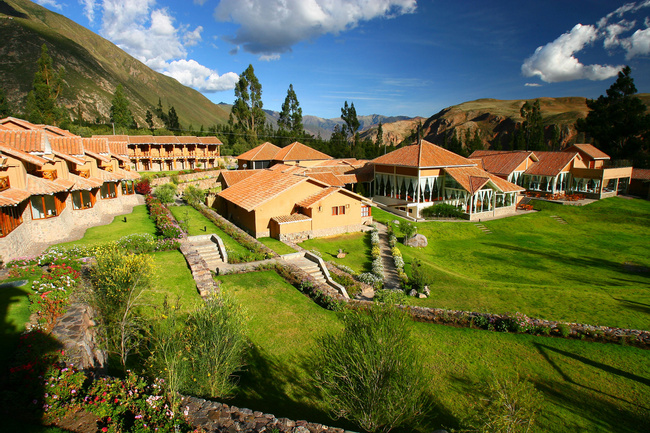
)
(391, 279)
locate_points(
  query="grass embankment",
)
(586, 386)
(279, 247)
(595, 269)
(197, 222)
(355, 245)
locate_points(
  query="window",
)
(128, 187)
(83, 199)
(10, 218)
(365, 211)
(338, 210)
(108, 190)
(47, 206)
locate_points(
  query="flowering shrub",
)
(139, 243)
(164, 220)
(62, 391)
(344, 268)
(371, 279)
(375, 251)
(378, 268)
(143, 187)
(51, 294)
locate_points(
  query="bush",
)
(388, 296)
(564, 330)
(419, 277)
(165, 193)
(193, 195)
(371, 373)
(143, 187)
(442, 210)
(51, 295)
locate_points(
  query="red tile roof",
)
(55, 131)
(97, 145)
(263, 152)
(641, 173)
(118, 148)
(260, 188)
(591, 151)
(23, 156)
(13, 196)
(18, 124)
(284, 168)
(423, 155)
(72, 145)
(296, 217)
(299, 152)
(210, 140)
(160, 139)
(473, 179)
(328, 178)
(108, 176)
(69, 158)
(97, 156)
(230, 177)
(38, 186)
(27, 141)
(81, 183)
(550, 163)
(502, 162)
(315, 198)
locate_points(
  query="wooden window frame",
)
(59, 205)
(93, 199)
(128, 187)
(10, 218)
(338, 210)
(366, 210)
(109, 185)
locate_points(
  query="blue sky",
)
(390, 57)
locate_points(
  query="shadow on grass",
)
(635, 306)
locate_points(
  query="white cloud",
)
(533, 85)
(271, 27)
(150, 35)
(638, 44)
(556, 62)
(89, 9)
(49, 3)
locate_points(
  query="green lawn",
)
(137, 221)
(595, 269)
(197, 222)
(356, 245)
(277, 246)
(587, 386)
(14, 308)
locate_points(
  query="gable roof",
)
(641, 173)
(263, 152)
(473, 179)
(72, 145)
(314, 198)
(328, 178)
(229, 178)
(423, 154)
(260, 188)
(551, 163)
(23, 156)
(502, 162)
(160, 139)
(26, 140)
(96, 145)
(299, 152)
(589, 150)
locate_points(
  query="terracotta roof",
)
(81, 183)
(97, 156)
(260, 188)
(423, 155)
(210, 140)
(69, 158)
(473, 178)
(345, 162)
(349, 178)
(165, 139)
(502, 162)
(550, 163)
(111, 138)
(263, 152)
(27, 141)
(315, 198)
(108, 176)
(38, 186)
(284, 219)
(13, 196)
(4, 128)
(641, 173)
(284, 168)
(139, 139)
(17, 124)
(96, 145)
(72, 145)
(299, 152)
(231, 177)
(23, 156)
(328, 178)
(504, 185)
(160, 139)
(589, 150)
(127, 175)
(56, 131)
(118, 148)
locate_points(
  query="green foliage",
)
(371, 372)
(118, 279)
(148, 117)
(408, 230)
(172, 120)
(442, 210)
(389, 296)
(247, 113)
(193, 195)
(511, 406)
(532, 131)
(120, 113)
(379, 141)
(563, 329)
(216, 344)
(419, 276)
(291, 115)
(166, 193)
(618, 122)
(41, 105)
(5, 110)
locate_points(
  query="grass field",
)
(196, 223)
(586, 386)
(356, 245)
(277, 246)
(595, 269)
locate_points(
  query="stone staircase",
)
(319, 275)
(311, 268)
(207, 248)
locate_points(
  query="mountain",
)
(94, 68)
(496, 120)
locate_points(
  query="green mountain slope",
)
(94, 68)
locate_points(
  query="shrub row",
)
(442, 210)
(164, 219)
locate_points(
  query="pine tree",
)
(149, 119)
(41, 105)
(379, 142)
(291, 115)
(533, 128)
(172, 120)
(247, 113)
(349, 116)
(4, 104)
(120, 113)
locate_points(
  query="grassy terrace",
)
(595, 269)
(587, 386)
(356, 245)
(277, 246)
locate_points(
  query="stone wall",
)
(33, 236)
(211, 174)
(310, 234)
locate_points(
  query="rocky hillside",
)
(394, 132)
(94, 68)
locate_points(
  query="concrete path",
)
(391, 279)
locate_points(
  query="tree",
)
(532, 127)
(149, 119)
(41, 105)
(379, 142)
(618, 122)
(193, 195)
(4, 104)
(349, 116)
(371, 372)
(247, 109)
(291, 114)
(165, 193)
(172, 120)
(121, 115)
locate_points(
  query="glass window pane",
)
(50, 205)
(37, 207)
(76, 200)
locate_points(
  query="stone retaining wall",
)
(77, 333)
(205, 284)
(211, 174)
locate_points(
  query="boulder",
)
(426, 291)
(413, 293)
(396, 222)
(421, 295)
(417, 241)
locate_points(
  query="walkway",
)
(391, 279)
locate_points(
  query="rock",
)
(418, 241)
(395, 222)
(413, 293)
(341, 255)
(421, 295)
(426, 291)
